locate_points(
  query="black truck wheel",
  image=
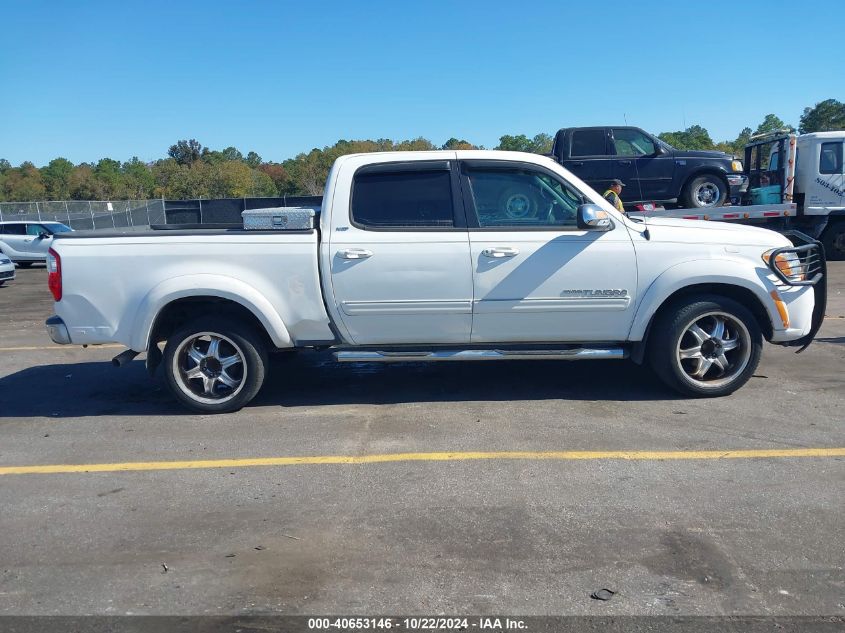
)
(833, 240)
(703, 192)
(214, 364)
(705, 346)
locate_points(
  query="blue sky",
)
(85, 80)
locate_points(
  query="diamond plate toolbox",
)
(279, 219)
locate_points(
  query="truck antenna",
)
(646, 233)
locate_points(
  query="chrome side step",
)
(579, 353)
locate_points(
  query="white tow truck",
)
(796, 182)
(440, 256)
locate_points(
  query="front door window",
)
(514, 198)
(632, 143)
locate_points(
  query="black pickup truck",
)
(651, 170)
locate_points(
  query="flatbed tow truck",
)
(795, 183)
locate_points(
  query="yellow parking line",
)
(422, 457)
(56, 347)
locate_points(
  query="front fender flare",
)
(206, 285)
(731, 272)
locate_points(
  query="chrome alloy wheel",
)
(706, 194)
(714, 349)
(209, 368)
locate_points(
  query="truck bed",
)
(139, 271)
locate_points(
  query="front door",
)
(828, 190)
(400, 268)
(646, 174)
(537, 277)
(38, 241)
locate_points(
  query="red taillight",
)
(54, 274)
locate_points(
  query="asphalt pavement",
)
(515, 487)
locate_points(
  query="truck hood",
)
(710, 232)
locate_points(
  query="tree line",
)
(194, 171)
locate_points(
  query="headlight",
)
(787, 263)
(736, 165)
(3, 260)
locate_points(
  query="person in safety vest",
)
(612, 194)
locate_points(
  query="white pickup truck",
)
(436, 256)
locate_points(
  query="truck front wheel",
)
(706, 346)
(703, 192)
(833, 240)
(214, 365)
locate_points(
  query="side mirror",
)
(43, 235)
(660, 150)
(592, 217)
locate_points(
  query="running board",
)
(579, 353)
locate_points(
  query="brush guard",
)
(812, 262)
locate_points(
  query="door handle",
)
(355, 253)
(500, 251)
(576, 163)
(624, 162)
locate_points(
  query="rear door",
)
(15, 240)
(646, 175)
(400, 269)
(590, 157)
(537, 276)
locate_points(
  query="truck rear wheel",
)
(214, 365)
(703, 192)
(706, 346)
(833, 240)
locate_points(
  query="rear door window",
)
(589, 143)
(14, 229)
(405, 199)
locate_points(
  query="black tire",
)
(234, 340)
(24, 264)
(2, 283)
(702, 189)
(738, 347)
(833, 240)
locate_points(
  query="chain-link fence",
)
(106, 214)
(87, 214)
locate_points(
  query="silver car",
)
(7, 270)
(28, 242)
